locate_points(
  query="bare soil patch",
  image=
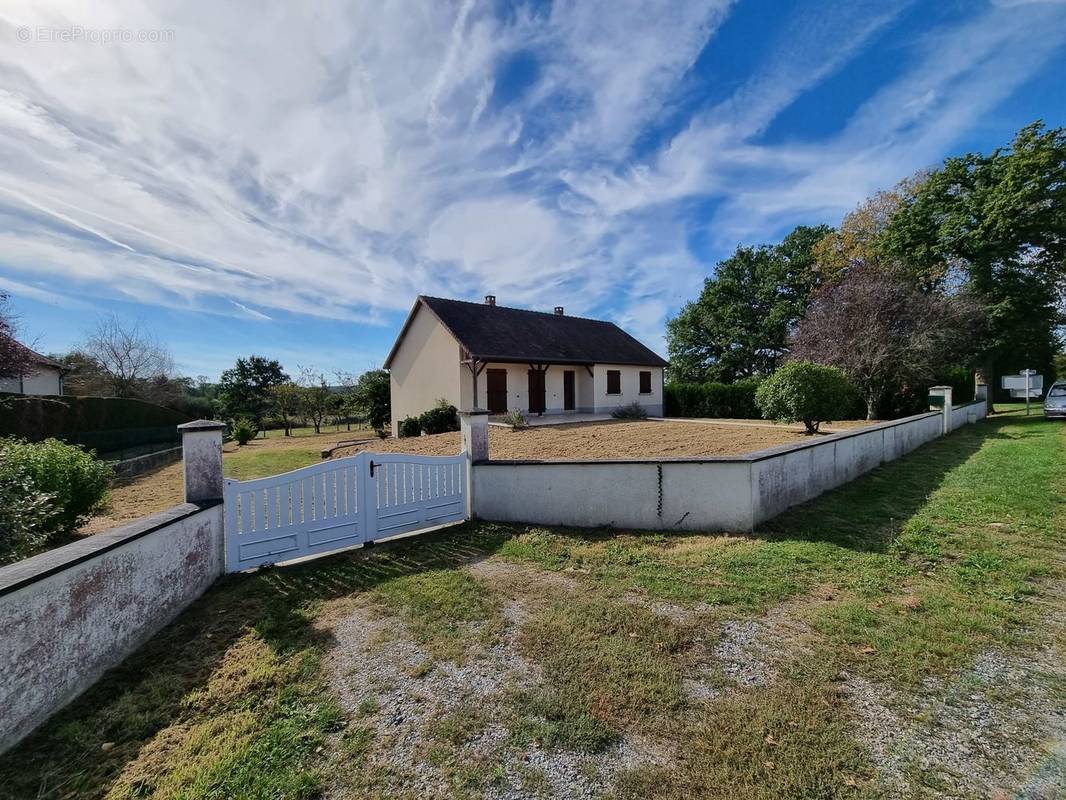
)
(603, 440)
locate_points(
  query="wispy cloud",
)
(335, 162)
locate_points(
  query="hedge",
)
(715, 400)
(101, 423)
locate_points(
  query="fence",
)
(723, 493)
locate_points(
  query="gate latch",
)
(372, 465)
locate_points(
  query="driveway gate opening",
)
(340, 503)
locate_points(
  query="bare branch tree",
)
(131, 358)
(883, 332)
(15, 359)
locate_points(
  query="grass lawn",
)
(903, 636)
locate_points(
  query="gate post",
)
(940, 396)
(474, 434)
(201, 443)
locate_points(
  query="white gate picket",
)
(339, 503)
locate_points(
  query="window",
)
(614, 381)
(645, 382)
(1057, 391)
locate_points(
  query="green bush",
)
(442, 418)
(27, 516)
(38, 418)
(244, 430)
(516, 419)
(802, 391)
(47, 489)
(714, 400)
(410, 426)
(632, 410)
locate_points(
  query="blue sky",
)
(285, 181)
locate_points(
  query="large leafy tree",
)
(371, 396)
(739, 325)
(245, 388)
(996, 223)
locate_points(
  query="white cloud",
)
(337, 160)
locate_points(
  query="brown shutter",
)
(614, 381)
(645, 382)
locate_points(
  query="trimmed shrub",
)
(632, 410)
(442, 418)
(244, 430)
(714, 400)
(410, 426)
(804, 392)
(38, 418)
(47, 489)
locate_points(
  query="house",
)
(478, 355)
(45, 378)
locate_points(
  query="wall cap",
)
(43, 565)
(474, 412)
(202, 425)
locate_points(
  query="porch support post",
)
(201, 443)
(474, 434)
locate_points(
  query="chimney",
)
(490, 299)
(558, 311)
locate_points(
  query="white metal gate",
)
(340, 503)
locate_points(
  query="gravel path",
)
(376, 670)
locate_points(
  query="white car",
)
(1055, 402)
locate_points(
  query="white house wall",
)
(425, 369)
(45, 382)
(605, 403)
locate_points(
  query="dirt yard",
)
(156, 491)
(605, 440)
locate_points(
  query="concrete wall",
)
(68, 615)
(425, 369)
(736, 493)
(605, 403)
(46, 382)
(130, 467)
(685, 495)
(960, 415)
(787, 476)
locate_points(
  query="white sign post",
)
(1025, 383)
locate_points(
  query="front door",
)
(536, 391)
(568, 390)
(496, 390)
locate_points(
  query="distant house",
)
(46, 377)
(506, 359)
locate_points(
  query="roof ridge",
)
(524, 310)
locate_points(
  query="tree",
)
(15, 359)
(128, 357)
(317, 400)
(372, 393)
(996, 223)
(739, 325)
(286, 401)
(807, 393)
(858, 238)
(883, 332)
(244, 389)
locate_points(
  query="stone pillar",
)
(201, 443)
(474, 434)
(940, 400)
(981, 392)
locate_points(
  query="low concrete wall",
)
(68, 615)
(691, 495)
(723, 494)
(960, 415)
(146, 463)
(786, 476)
